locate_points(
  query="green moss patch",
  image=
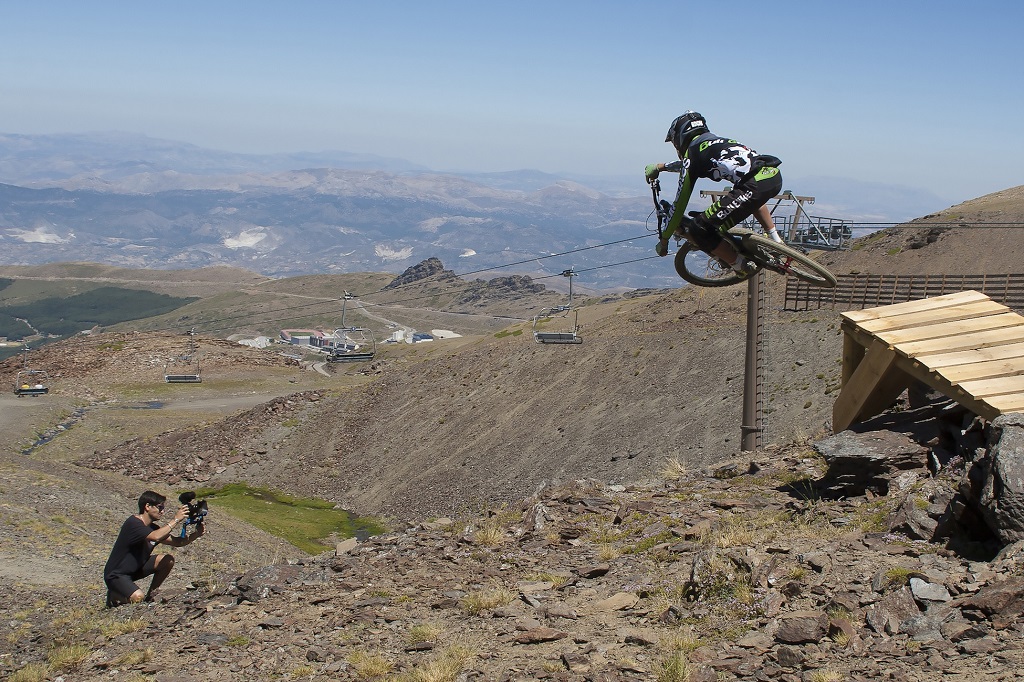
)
(307, 523)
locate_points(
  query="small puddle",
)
(55, 431)
(150, 405)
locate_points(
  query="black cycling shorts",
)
(747, 196)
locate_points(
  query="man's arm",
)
(161, 535)
(682, 199)
(178, 541)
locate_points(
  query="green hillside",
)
(57, 316)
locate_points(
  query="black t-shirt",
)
(708, 156)
(131, 549)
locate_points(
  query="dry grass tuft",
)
(369, 666)
(673, 470)
(445, 667)
(117, 628)
(68, 657)
(490, 534)
(33, 672)
(131, 658)
(675, 667)
(423, 632)
(476, 603)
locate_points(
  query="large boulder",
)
(860, 462)
(994, 484)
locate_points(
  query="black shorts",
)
(750, 194)
(121, 587)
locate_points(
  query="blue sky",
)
(922, 94)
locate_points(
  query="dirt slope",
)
(978, 237)
(498, 416)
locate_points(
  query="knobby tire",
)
(704, 273)
(772, 255)
(764, 251)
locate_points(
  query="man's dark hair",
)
(150, 497)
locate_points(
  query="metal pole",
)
(343, 301)
(751, 428)
(570, 274)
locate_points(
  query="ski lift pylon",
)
(564, 335)
(31, 381)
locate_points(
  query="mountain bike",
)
(697, 267)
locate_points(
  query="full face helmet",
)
(684, 129)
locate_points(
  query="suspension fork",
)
(656, 194)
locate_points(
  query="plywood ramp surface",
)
(964, 345)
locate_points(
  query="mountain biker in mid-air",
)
(702, 154)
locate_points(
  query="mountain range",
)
(135, 201)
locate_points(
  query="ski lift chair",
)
(355, 345)
(182, 371)
(565, 335)
(31, 382)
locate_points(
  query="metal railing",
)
(815, 232)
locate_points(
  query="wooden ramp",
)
(965, 345)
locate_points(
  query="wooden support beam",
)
(865, 380)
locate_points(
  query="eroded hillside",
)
(489, 419)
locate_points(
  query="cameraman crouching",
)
(132, 557)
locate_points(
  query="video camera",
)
(197, 510)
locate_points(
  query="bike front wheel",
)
(785, 260)
(698, 268)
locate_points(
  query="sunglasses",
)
(158, 506)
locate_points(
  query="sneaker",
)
(744, 268)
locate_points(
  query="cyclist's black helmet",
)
(684, 129)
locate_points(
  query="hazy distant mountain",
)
(323, 220)
(137, 201)
(28, 158)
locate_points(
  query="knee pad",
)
(705, 235)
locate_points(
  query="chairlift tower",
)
(345, 298)
(813, 232)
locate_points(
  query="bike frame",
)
(755, 246)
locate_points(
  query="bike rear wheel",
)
(697, 267)
(785, 260)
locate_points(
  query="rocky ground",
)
(748, 570)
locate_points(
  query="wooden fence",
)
(866, 291)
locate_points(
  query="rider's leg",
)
(707, 236)
(764, 218)
(747, 198)
(727, 253)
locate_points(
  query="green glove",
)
(662, 248)
(651, 172)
